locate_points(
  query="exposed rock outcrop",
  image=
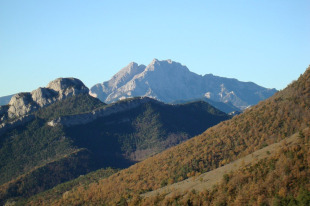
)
(61, 88)
(169, 81)
(44, 96)
(85, 118)
(21, 104)
(67, 87)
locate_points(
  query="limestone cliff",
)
(25, 103)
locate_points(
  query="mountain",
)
(28, 102)
(169, 81)
(225, 107)
(5, 99)
(73, 134)
(269, 122)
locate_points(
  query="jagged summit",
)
(170, 81)
(26, 102)
(165, 65)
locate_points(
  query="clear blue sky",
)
(265, 41)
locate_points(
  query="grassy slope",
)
(266, 123)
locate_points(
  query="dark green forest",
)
(36, 157)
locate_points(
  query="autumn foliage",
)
(282, 179)
(286, 113)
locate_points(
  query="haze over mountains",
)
(169, 81)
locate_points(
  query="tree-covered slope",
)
(22, 189)
(35, 143)
(37, 156)
(280, 179)
(123, 138)
(270, 121)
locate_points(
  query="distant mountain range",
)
(169, 81)
(5, 99)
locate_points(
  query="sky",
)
(266, 42)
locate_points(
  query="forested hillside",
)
(37, 156)
(272, 120)
(280, 179)
(35, 143)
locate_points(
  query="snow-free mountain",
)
(27, 102)
(170, 81)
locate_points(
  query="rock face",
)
(25, 103)
(67, 87)
(101, 91)
(170, 81)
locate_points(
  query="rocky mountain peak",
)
(166, 65)
(20, 105)
(169, 81)
(27, 102)
(67, 86)
(126, 74)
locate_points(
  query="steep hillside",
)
(270, 121)
(35, 143)
(208, 180)
(170, 81)
(143, 131)
(23, 191)
(38, 155)
(281, 178)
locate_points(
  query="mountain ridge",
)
(169, 81)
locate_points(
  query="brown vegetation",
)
(268, 122)
(281, 179)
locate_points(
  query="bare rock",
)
(61, 88)
(21, 104)
(169, 81)
(44, 96)
(68, 87)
